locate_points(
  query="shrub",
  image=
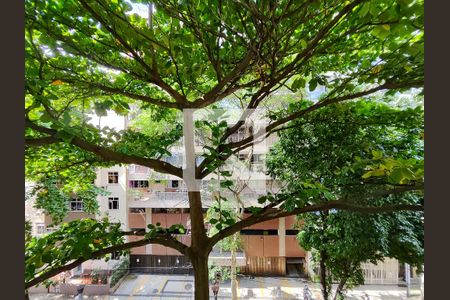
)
(225, 271)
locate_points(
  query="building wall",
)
(136, 220)
(116, 190)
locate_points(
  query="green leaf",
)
(226, 183)
(377, 154)
(312, 84)
(262, 199)
(364, 9)
(298, 84)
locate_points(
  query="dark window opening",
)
(113, 202)
(76, 204)
(139, 184)
(137, 210)
(113, 177)
(291, 232)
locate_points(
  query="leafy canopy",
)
(87, 57)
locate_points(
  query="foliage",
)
(330, 154)
(361, 148)
(85, 57)
(224, 271)
(223, 215)
(155, 230)
(344, 240)
(119, 271)
(28, 231)
(53, 197)
(73, 240)
(95, 276)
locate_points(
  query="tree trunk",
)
(339, 289)
(233, 269)
(201, 279)
(323, 258)
(200, 248)
(323, 275)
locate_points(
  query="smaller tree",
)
(355, 152)
(218, 214)
(342, 241)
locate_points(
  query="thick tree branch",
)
(165, 240)
(271, 214)
(109, 155)
(36, 142)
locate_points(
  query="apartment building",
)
(270, 248)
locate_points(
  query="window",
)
(40, 228)
(174, 183)
(257, 158)
(76, 204)
(113, 177)
(137, 210)
(113, 202)
(138, 184)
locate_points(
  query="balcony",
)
(147, 198)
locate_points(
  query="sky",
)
(112, 120)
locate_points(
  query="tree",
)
(91, 56)
(355, 143)
(342, 241)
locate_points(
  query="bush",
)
(119, 271)
(225, 271)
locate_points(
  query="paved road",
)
(176, 287)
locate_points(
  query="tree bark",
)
(201, 280)
(323, 258)
(339, 288)
(233, 269)
(323, 275)
(200, 247)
